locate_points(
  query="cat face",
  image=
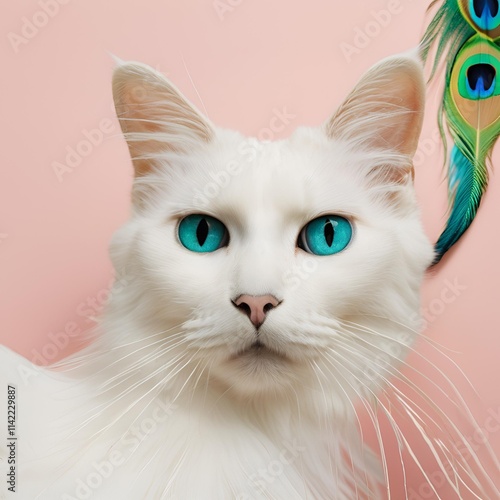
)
(279, 265)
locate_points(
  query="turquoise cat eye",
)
(326, 235)
(202, 233)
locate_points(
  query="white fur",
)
(165, 358)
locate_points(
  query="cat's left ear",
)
(385, 110)
(154, 116)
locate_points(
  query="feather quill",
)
(465, 35)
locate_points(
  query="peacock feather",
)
(465, 34)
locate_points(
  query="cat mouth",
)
(259, 350)
(259, 347)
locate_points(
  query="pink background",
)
(238, 65)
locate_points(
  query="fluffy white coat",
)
(170, 401)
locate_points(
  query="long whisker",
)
(395, 427)
(354, 412)
(461, 407)
(442, 414)
(438, 347)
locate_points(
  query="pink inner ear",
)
(385, 109)
(147, 103)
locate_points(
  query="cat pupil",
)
(329, 232)
(202, 231)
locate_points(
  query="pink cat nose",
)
(256, 306)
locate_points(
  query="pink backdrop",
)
(240, 61)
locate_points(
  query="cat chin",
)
(256, 370)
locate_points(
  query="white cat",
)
(263, 283)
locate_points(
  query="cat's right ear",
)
(154, 116)
(385, 110)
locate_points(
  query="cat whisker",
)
(391, 420)
(435, 407)
(360, 429)
(461, 405)
(145, 466)
(373, 416)
(417, 332)
(395, 372)
(415, 417)
(158, 386)
(99, 409)
(330, 455)
(188, 378)
(174, 472)
(386, 411)
(166, 346)
(438, 347)
(90, 440)
(387, 352)
(92, 354)
(197, 381)
(368, 407)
